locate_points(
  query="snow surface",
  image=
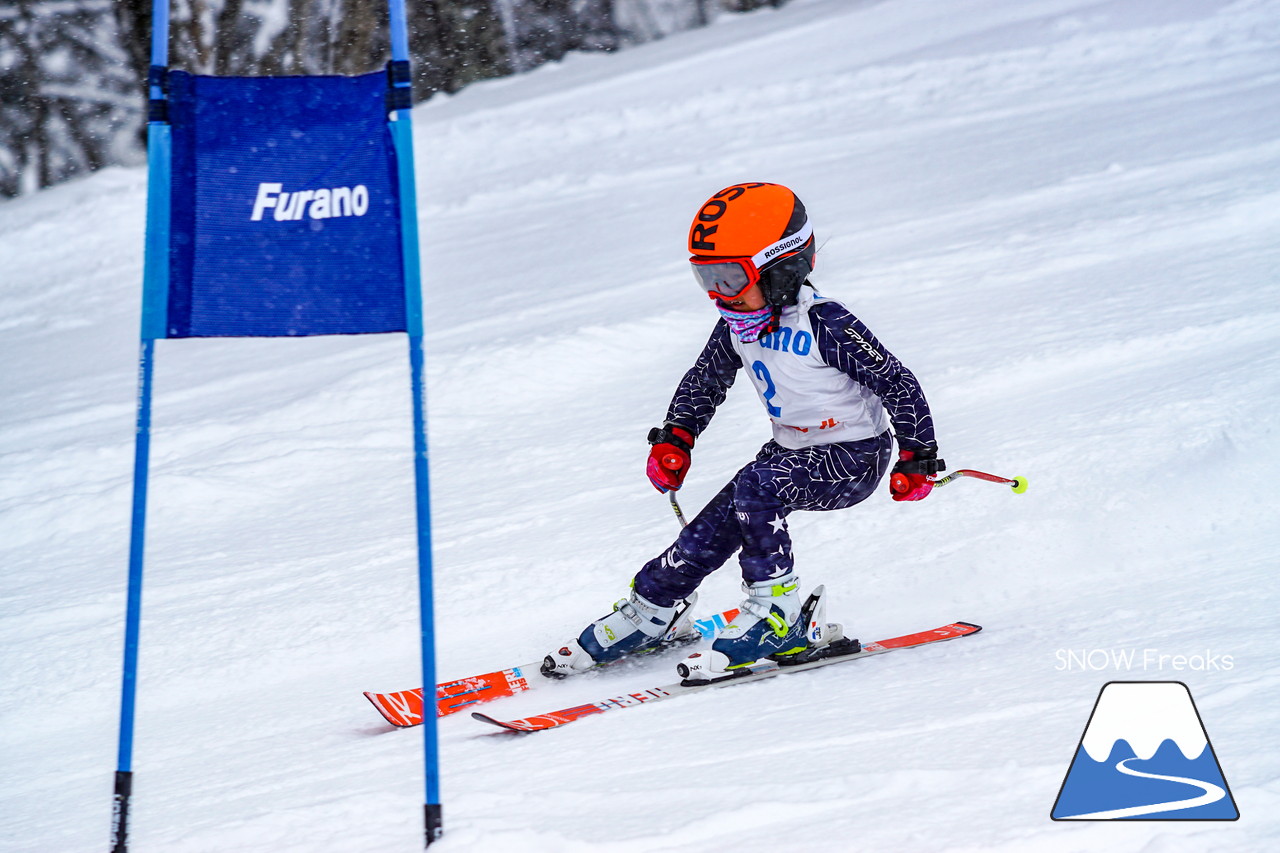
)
(1061, 214)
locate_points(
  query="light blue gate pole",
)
(402, 136)
(155, 294)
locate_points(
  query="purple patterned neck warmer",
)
(748, 326)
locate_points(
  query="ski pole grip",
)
(899, 484)
(671, 462)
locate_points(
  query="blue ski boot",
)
(771, 624)
(635, 626)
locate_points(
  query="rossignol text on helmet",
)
(748, 233)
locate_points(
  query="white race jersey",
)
(809, 401)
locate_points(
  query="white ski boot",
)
(771, 624)
(635, 626)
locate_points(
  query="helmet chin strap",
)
(775, 321)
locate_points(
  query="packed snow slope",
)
(1061, 214)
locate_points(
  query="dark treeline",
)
(73, 72)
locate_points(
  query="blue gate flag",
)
(285, 209)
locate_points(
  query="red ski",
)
(404, 709)
(756, 672)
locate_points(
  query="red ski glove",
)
(669, 456)
(910, 478)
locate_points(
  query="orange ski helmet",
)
(749, 233)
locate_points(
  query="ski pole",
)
(672, 463)
(675, 507)
(898, 483)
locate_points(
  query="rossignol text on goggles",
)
(725, 278)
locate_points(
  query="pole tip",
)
(434, 822)
(1019, 485)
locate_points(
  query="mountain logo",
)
(1145, 755)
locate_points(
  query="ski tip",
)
(400, 717)
(976, 628)
(485, 718)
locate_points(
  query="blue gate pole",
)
(155, 295)
(133, 608)
(402, 137)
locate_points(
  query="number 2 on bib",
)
(770, 390)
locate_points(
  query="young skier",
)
(834, 395)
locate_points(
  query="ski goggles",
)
(725, 278)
